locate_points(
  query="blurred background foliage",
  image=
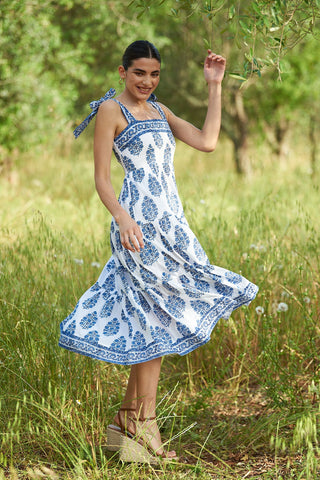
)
(58, 55)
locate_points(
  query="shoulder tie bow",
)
(94, 105)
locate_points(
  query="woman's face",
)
(142, 77)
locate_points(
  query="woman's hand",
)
(214, 67)
(130, 232)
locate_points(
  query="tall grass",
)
(55, 405)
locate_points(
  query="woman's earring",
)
(121, 81)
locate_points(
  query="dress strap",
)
(128, 116)
(94, 107)
(157, 107)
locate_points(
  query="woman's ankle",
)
(128, 406)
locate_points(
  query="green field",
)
(253, 390)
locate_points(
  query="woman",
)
(158, 293)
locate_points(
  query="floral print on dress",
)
(111, 328)
(154, 186)
(135, 146)
(149, 209)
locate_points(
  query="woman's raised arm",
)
(206, 138)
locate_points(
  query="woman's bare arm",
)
(105, 130)
(204, 139)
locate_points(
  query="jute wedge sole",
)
(115, 432)
(129, 447)
(132, 451)
(113, 438)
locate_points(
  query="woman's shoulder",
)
(109, 106)
(165, 109)
(110, 112)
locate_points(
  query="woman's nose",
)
(147, 80)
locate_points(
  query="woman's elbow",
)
(209, 147)
(100, 182)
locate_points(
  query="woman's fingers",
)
(132, 240)
(214, 57)
(130, 233)
(125, 241)
(128, 242)
(138, 236)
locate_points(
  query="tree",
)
(60, 54)
(295, 99)
(264, 32)
(55, 56)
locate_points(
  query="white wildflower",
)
(253, 246)
(244, 256)
(282, 307)
(78, 261)
(306, 300)
(95, 264)
(259, 310)
(285, 294)
(78, 402)
(202, 201)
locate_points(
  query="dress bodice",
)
(142, 141)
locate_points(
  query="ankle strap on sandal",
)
(145, 419)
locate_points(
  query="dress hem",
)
(112, 357)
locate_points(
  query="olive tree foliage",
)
(290, 104)
(263, 30)
(58, 55)
(259, 39)
(35, 72)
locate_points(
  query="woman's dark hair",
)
(139, 49)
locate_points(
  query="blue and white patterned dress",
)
(167, 298)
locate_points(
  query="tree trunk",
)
(281, 136)
(241, 156)
(313, 145)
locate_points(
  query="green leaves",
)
(57, 56)
(272, 28)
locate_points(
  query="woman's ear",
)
(122, 72)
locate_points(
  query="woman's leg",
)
(147, 379)
(141, 394)
(130, 398)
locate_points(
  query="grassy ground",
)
(246, 405)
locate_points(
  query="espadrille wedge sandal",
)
(134, 448)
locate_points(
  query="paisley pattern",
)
(168, 298)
